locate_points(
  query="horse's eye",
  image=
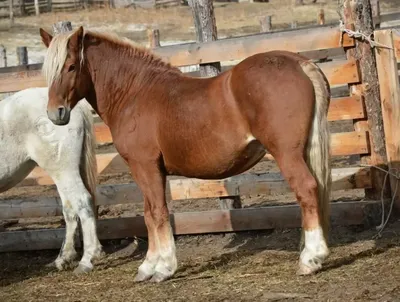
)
(71, 67)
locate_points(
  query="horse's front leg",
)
(160, 263)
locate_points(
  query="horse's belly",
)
(220, 163)
(13, 170)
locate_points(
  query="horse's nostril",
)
(61, 112)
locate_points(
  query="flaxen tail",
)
(318, 155)
(88, 165)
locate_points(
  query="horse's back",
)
(30, 135)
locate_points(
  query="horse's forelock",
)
(55, 57)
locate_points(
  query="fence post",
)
(3, 56)
(206, 30)
(390, 100)
(154, 37)
(321, 17)
(37, 10)
(22, 55)
(265, 24)
(376, 13)
(61, 27)
(22, 7)
(358, 16)
(11, 7)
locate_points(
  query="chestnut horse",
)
(164, 122)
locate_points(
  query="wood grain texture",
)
(343, 213)
(237, 48)
(338, 72)
(346, 143)
(390, 102)
(346, 108)
(186, 188)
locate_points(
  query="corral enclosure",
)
(265, 197)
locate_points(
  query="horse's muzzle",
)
(60, 115)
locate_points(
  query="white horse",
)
(67, 153)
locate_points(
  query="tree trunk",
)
(358, 15)
(206, 30)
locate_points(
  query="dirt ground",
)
(250, 266)
(245, 266)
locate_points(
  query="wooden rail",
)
(185, 188)
(345, 213)
(306, 40)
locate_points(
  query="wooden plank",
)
(346, 143)
(390, 101)
(338, 72)
(15, 81)
(236, 48)
(357, 17)
(184, 188)
(349, 143)
(346, 108)
(396, 42)
(341, 72)
(343, 213)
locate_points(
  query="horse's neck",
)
(125, 78)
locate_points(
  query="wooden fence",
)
(319, 44)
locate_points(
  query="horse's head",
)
(65, 73)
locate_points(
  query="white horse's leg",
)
(67, 253)
(78, 201)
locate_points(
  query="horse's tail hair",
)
(318, 155)
(88, 164)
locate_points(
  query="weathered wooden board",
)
(396, 42)
(346, 108)
(346, 143)
(390, 100)
(186, 188)
(344, 213)
(300, 40)
(337, 72)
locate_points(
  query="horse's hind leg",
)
(77, 202)
(67, 252)
(304, 185)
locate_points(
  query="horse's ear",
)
(75, 41)
(46, 37)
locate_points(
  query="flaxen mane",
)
(58, 50)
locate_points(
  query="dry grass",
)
(231, 18)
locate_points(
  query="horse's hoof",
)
(82, 269)
(140, 277)
(62, 264)
(305, 270)
(52, 264)
(159, 277)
